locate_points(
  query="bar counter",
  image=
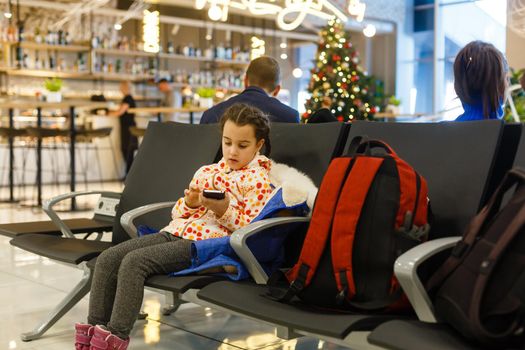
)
(11, 105)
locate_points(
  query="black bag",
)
(481, 286)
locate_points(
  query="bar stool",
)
(137, 132)
(89, 138)
(57, 137)
(9, 170)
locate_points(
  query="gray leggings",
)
(118, 281)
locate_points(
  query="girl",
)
(118, 280)
(480, 80)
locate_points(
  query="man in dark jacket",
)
(262, 84)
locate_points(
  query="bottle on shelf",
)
(25, 61)
(81, 62)
(38, 64)
(38, 35)
(133, 44)
(170, 48)
(118, 65)
(228, 52)
(11, 33)
(220, 52)
(95, 42)
(60, 35)
(209, 52)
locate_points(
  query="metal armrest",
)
(50, 203)
(126, 220)
(238, 241)
(406, 267)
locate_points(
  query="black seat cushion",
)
(80, 225)
(68, 250)
(248, 299)
(416, 335)
(181, 284)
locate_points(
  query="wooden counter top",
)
(21, 104)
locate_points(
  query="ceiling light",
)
(283, 45)
(370, 30)
(8, 14)
(297, 73)
(117, 26)
(284, 56)
(215, 13)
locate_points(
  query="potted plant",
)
(206, 97)
(53, 87)
(393, 105)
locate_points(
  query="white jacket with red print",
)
(249, 189)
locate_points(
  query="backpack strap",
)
(485, 270)
(318, 230)
(474, 228)
(349, 206)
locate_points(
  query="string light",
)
(288, 17)
(151, 31)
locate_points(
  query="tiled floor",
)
(30, 286)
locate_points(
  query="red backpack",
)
(368, 211)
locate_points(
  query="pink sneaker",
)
(103, 339)
(83, 334)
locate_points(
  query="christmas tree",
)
(338, 82)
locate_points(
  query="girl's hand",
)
(218, 206)
(192, 197)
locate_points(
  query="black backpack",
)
(481, 286)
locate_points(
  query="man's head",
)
(164, 85)
(265, 73)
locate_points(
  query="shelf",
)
(179, 85)
(219, 62)
(70, 48)
(231, 63)
(173, 56)
(117, 52)
(121, 76)
(87, 96)
(47, 73)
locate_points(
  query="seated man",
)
(262, 84)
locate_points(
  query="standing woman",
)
(128, 142)
(480, 81)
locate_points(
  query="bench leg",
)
(173, 302)
(71, 299)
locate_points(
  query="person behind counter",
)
(169, 97)
(128, 142)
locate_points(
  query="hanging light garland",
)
(295, 9)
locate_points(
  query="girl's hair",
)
(243, 114)
(480, 74)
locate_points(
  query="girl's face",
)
(239, 145)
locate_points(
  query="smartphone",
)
(213, 194)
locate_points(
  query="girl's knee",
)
(108, 258)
